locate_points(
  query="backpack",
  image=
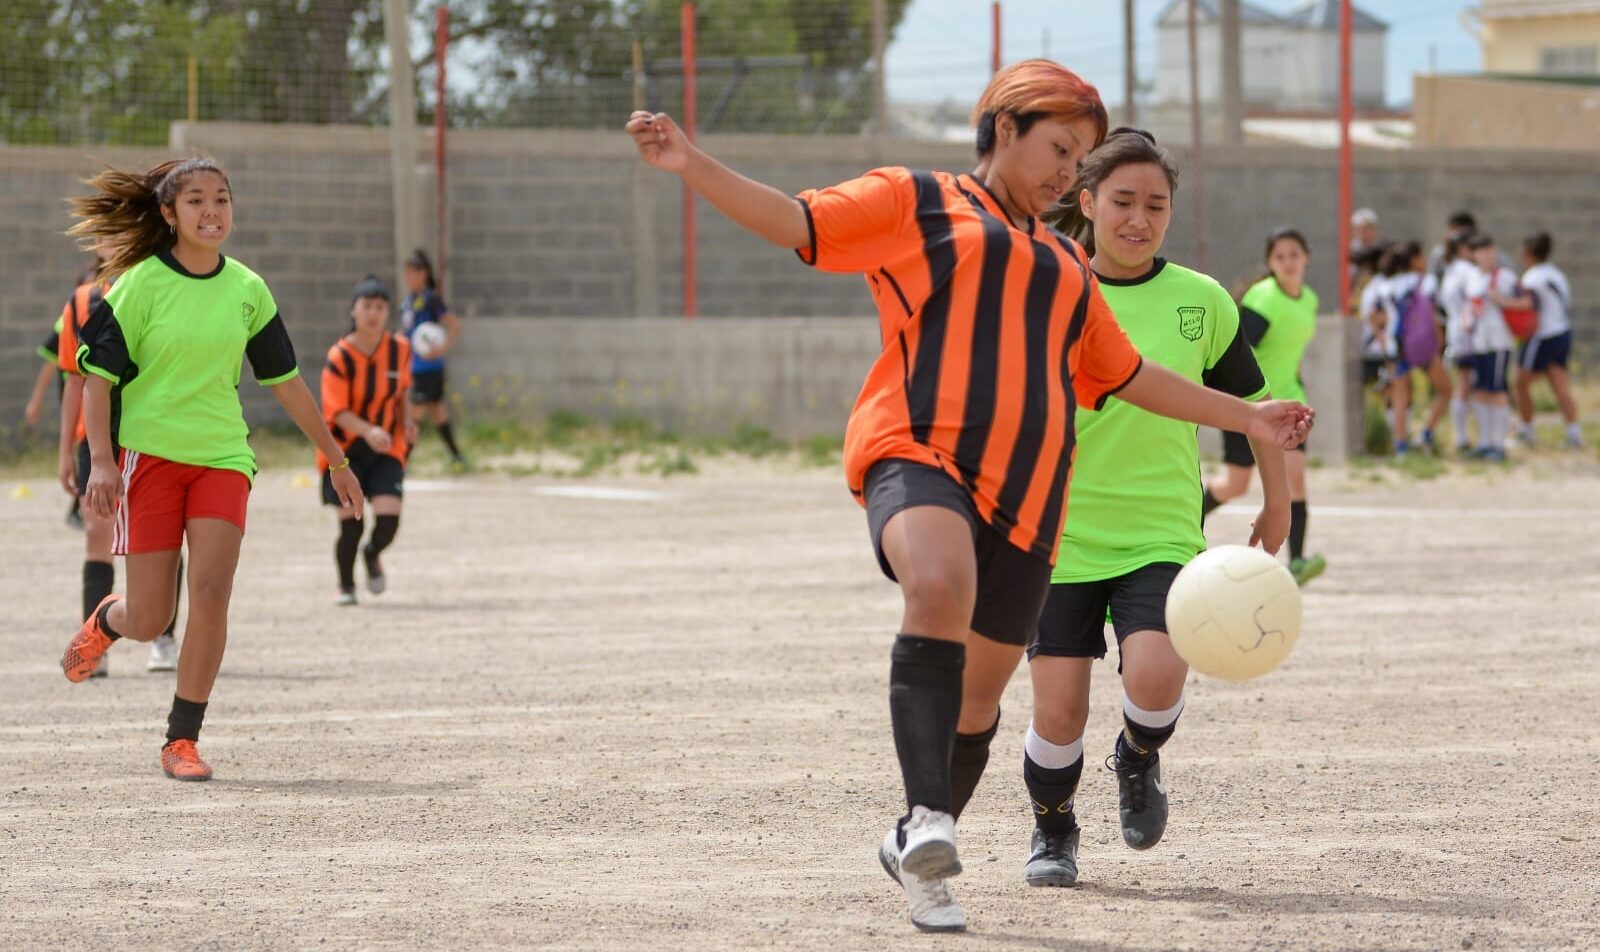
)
(1419, 335)
(1522, 322)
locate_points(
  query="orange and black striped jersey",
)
(372, 386)
(73, 318)
(992, 336)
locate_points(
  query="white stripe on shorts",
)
(119, 527)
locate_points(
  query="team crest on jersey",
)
(1191, 322)
(249, 311)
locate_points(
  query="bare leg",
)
(213, 556)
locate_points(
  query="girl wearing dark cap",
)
(364, 384)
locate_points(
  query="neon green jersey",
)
(174, 342)
(1134, 497)
(1279, 327)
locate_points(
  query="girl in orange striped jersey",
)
(960, 443)
(364, 384)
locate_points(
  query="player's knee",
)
(939, 591)
(210, 589)
(1060, 720)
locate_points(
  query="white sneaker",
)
(930, 850)
(347, 596)
(933, 908)
(163, 654)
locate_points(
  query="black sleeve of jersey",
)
(102, 335)
(1253, 324)
(1236, 372)
(50, 343)
(270, 351)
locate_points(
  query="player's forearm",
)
(296, 400)
(756, 207)
(1271, 461)
(1164, 393)
(41, 383)
(347, 420)
(97, 420)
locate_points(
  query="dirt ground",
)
(660, 721)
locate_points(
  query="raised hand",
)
(659, 140)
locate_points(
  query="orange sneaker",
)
(181, 761)
(88, 646)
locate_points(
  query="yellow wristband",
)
(343, 464)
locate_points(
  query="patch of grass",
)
(1376, 437)
(753, 441)
(821, 452)
(1420, 466)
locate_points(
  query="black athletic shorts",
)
(379, 474)
(1074, 621)
(427, 386)
(1236, 449)
(1012, 583)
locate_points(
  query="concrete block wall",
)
(797, 377)
(568, 224)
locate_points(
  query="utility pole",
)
(1196, 142)
(1130, 69)
(880, 76)
(402, 134)
(1232, 74)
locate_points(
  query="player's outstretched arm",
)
(1281, 423)
(302, 409)
(759, 208)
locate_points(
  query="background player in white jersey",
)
(1490, 290)
(1410, 295)
(1456, 273)
(1545, 289)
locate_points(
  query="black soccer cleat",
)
(1054, 860)
(1142, 800)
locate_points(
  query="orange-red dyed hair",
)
(1038, 87)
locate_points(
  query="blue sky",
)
(941, 50)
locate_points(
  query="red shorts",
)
(162, 496)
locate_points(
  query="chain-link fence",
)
(119, 72)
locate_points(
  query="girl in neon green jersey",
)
(1133, 513)
(168, 340)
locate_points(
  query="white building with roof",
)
(1290, 60)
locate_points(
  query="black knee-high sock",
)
(1297, 529)
(970, 756)
(924, 706)
(1137, 744)
(1053, 792)
(99, 578)
(1208, 502)
(344, 551)
(185, 720)
(382, 534)
(448, 434)
(177, 597)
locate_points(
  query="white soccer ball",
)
(429, 339)
(1233, 613)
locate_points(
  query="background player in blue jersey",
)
(424, 305)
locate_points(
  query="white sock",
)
(1484, 414)
(1574, 432)
(1458, 420)
(1051, 756)
(1155, 720)
(1502, 429)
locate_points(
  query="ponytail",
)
(124, 211)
